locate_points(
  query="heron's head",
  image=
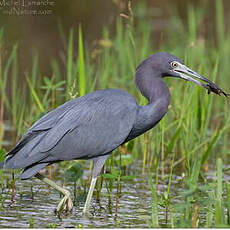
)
(168, 65)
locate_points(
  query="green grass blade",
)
(210, 147)
(195, 171)
(219, 215)
(155, 223)
(172, 142)
(227, 185)
(1, 34)
(81, 63)
(69, 73)
(5, 76)
(36, 97)
(220, 22)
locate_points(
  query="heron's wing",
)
(53, 117)
(96, 126)
(86, 127)
(43, 124)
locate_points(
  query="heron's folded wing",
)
(42, 125)
(96, 126)
(85, 127)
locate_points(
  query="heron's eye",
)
(174, 64)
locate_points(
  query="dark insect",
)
(213, 88)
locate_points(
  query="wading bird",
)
(92, 126)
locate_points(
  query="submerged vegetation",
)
(191, 141)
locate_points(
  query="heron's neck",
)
(152, 86)
(157, 93)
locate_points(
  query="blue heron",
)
(92, 126)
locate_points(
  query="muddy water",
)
(134, 210)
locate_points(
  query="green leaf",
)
(2, 154)
(219, 211)
(172, 142)
(1, 33)
(227, 186)
(47, 81)
(110, 176)
(31, 224)
(126, 160)
(209, 149)
(35, 95)
(130, 145)
(69, 73)
(195, 173)
(81, 63)
(45, 87)
(74, 173)
(60, 84)
(130, 177)
(114, 171)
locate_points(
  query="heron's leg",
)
(97, 166)
(66, 203)
(89, 195)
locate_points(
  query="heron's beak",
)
(185, 73)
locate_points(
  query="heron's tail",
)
(1, 164)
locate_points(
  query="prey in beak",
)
(182, 71)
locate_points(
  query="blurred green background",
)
(41, 32)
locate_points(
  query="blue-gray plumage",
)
(83, 128)
(92, 126)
